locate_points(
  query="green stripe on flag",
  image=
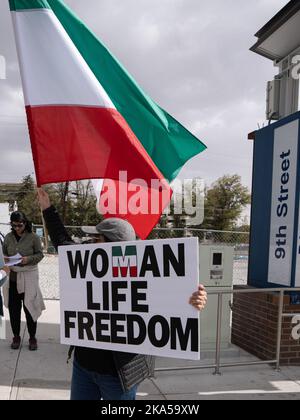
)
(168, 143)
(28, 4)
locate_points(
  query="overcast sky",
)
(191, 56)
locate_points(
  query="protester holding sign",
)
(103, 374)
(23, 285)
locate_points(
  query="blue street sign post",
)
(275, 235)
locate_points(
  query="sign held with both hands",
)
(131, 297)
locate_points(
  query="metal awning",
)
(281, 35)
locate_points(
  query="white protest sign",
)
(131, 297)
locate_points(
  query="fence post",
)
(219, 331)
(279, 330)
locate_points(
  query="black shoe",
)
(33, 344)
(15, 345)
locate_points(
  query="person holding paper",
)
(14, 260)
(104, 374)
(23, 251)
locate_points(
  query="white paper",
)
(14, 260)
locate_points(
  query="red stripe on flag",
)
(77, 142)
(143, 209)
(73, 143)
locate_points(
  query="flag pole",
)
(45, 232)
(44, 226)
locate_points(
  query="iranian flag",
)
(88, 118)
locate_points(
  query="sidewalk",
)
(44, 375)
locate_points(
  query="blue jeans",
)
(91, 386)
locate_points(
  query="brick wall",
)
(254, 326)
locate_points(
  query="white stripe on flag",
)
(53, 70)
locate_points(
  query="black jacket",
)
(1, 305)
(132, 369)
(1, 301)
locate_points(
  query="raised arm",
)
(57, 231)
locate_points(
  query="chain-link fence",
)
(238, 240)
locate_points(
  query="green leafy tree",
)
(75, 202)
(61, 199)
(27, 200)
(224, 203)
(84, 211)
